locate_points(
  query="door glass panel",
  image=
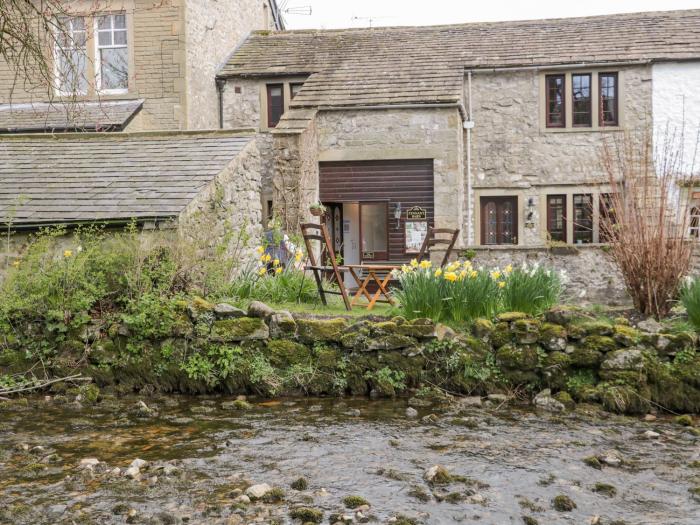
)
(374, 227)
(491, 224)
(507, 222)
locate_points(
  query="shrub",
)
(532, 290)
(690, 298)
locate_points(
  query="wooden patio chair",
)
(438, 237)
(319, 232)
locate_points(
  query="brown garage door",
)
(409, 182)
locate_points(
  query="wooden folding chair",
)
(319, 232)
(432, 239)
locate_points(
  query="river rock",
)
(133, 473)
(260, 309)
(141, 409)
(138, 463)
(227, 311)
(498, 398)
(611, 458)
(411, 412)
(470, 401)
(243, 499)
(545, 401)
(88, 463)
(650, 434)
(258, 491)
(437, 474)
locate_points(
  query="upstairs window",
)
(555, 101)
(581, 93)
(294, 89)
(607, 83)
(583, 218)
(275, 104)
(112, 56)
(71, 56)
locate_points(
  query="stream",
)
(67, 463)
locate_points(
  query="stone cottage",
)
(124, 133)
(492, 128)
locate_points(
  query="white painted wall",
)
(676, 108)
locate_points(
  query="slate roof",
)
(107, 176)
(62, 116)
(355, 67)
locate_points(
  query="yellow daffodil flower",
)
(414, 263)
(68, 253)
(450, 276)
(267, 258)
(463, 274)
(501, 284)
(508, 269)
(495, 275)
(278, 271)
(425, 264)
(438, 272)
(276, 262)
(298, 255)
(260, 250)
(262, 271)
(473, 274)
(467, 264)
(15, 264)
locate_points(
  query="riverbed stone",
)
(239, 329)
(437, 475)
(411, 412)
(563, 503)
(88, 463)
(258, 491)
(545, 401)
(282, 324)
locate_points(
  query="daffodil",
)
(278, 271)
(267, 258)
(452, 266)
(414, 263)
(463, 274)
(473, 274)
(260, 250)
(276, 262)
(438, 272)
(15, 264)
(298, 255)
(508, 269)
(495, 275)
(262, 271)
(501, 284)
(450, 276)
(425, 264)
(68, 253)
(467, 265)
(406, 269)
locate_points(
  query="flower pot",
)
(317, 212)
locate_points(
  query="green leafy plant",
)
(532, 290)
(690, 298)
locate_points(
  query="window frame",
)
(565, 226)
(268, 97)
(601, 119)
(547, 113)
(293, 85)
(59, 53)
(574, 223)
(498, 201)
(98, 47)
(589, 123)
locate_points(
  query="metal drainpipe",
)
(469, 125)
(220, 95)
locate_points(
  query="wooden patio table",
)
(372, 271)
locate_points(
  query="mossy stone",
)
(557, 360)
(89, 393)
(583, 356)
(509, 317)
(421, 328)
(526, 331)
(518, 357)
(283, 353)
(596, 327)
(553, 336)
(623, 399)
(353, 502)
(320, 330)
(306, 515)
(182, 327)
(383, 328)
(685, 420)
(625, 335)
(605, 489)
(199, 306)
(482, 328)
(600, 343)
(565, 399)
(563, 503)
(391, 342)
(563, 314)
(300, 484)
(501, 335)
(239, 329)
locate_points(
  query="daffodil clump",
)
(460, 291)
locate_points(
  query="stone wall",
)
(589, 274)
(430, 133)
(214, 28)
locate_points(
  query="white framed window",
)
(111, 54)
(70, 57)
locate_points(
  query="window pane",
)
(555, 100)
(374, 227)
(608, 99)
(120, 38)
(295, 88)
(104, 38)
(583, 218)
(114, 68)
(71, 56)
(607, 216)
(581, 85)
(556, 217)
(104, 22)
(275, 104)
(120, 21)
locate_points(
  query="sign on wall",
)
(416, 231)
(416, 213)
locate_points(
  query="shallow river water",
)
(512, 463)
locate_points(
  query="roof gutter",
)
(109, 223)
(569, 65)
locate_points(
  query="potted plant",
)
(317, 209)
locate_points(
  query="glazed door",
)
(374, 231)
(499, 220)
(334, 224)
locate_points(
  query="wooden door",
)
(499, 220)
(374, 231)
